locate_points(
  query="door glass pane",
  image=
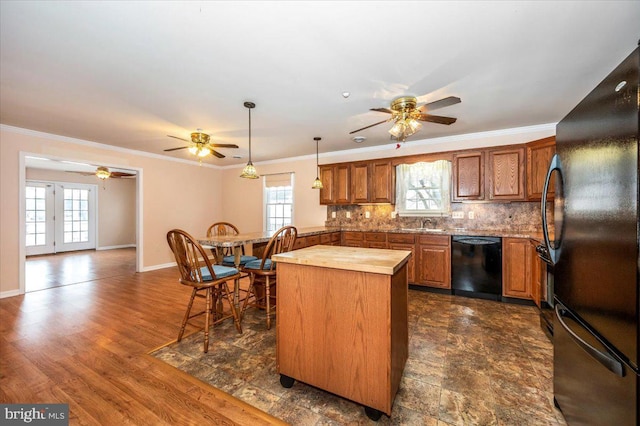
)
(35, 216)
(76, 215)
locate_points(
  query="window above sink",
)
(423, 189)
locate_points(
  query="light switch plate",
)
(333, 215)
(457, 215)
(472, 215)
(348, 215)
(367, 215)
(394, 214)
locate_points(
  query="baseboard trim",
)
(10, 293)
(116, 247)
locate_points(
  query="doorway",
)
(82, 243)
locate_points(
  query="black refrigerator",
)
(594, 249)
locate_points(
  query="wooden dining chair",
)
(262, 285)
(197, 272)
(226, 256)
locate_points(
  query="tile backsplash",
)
(522, 216)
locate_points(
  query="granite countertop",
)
(377, 261)
(516, 233)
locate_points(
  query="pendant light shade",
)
(317, 184)
(249, 171)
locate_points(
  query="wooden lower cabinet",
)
(405, 242)
(538, 275)
(352, 239)
(434, 261)
(375, 240)
(516, 268)
(330, 239)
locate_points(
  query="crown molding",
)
(67, 139)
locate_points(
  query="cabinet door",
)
(506, 174)
(434, 267)
(539, 155)
(411, 264)
(342, 183)
(383, 182)
(468, 176)
(536, 274)
(327, 192)
(352, 239)
(360, 183)
(516, 268)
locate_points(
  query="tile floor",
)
(471, 362)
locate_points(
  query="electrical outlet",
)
(394, 214)
(472, 215)
(348, 215)
(367, 215)
(457, 215)
(333, 215)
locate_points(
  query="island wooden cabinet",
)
(516, 268)
(434, 261)
(539, 154)
(506, 173)
(468, 176)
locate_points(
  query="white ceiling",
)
(130, 73)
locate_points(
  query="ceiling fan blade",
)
(182, 139)
(121, 175)
(451, 100)
(81, 173)
(437, 119)
(387, 110)
(383, 121)
(217, 154)
(175, 149)
(223, 145)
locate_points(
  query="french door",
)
(59, 217)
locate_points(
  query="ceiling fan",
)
(104, 173)
(406, 115)
(200, 146)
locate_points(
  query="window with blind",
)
(422, 189)
(278, 201)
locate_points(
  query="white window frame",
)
(275, 185)
(431, 181)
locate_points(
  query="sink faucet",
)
(425, 221)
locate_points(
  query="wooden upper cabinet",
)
(506, 173)
(360, 183)
(326, 193)
(342, 183)
(539, 154)
(383, 182)
(468, 176)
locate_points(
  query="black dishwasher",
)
(476, 266)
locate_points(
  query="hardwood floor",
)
(55, 270)
(86, 345)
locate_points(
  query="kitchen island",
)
(342, 322)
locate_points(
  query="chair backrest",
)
(281, 242)
(222, 228)
(190, 256)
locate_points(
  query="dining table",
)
(237, 241)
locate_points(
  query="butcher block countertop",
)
(377, 261)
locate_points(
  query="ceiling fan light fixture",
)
(103, 173)
(249, 171)
(317, 184)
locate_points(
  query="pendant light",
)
(317, 184)
(249, 171)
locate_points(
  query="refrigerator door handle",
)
(554, 253)
(609, 362)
